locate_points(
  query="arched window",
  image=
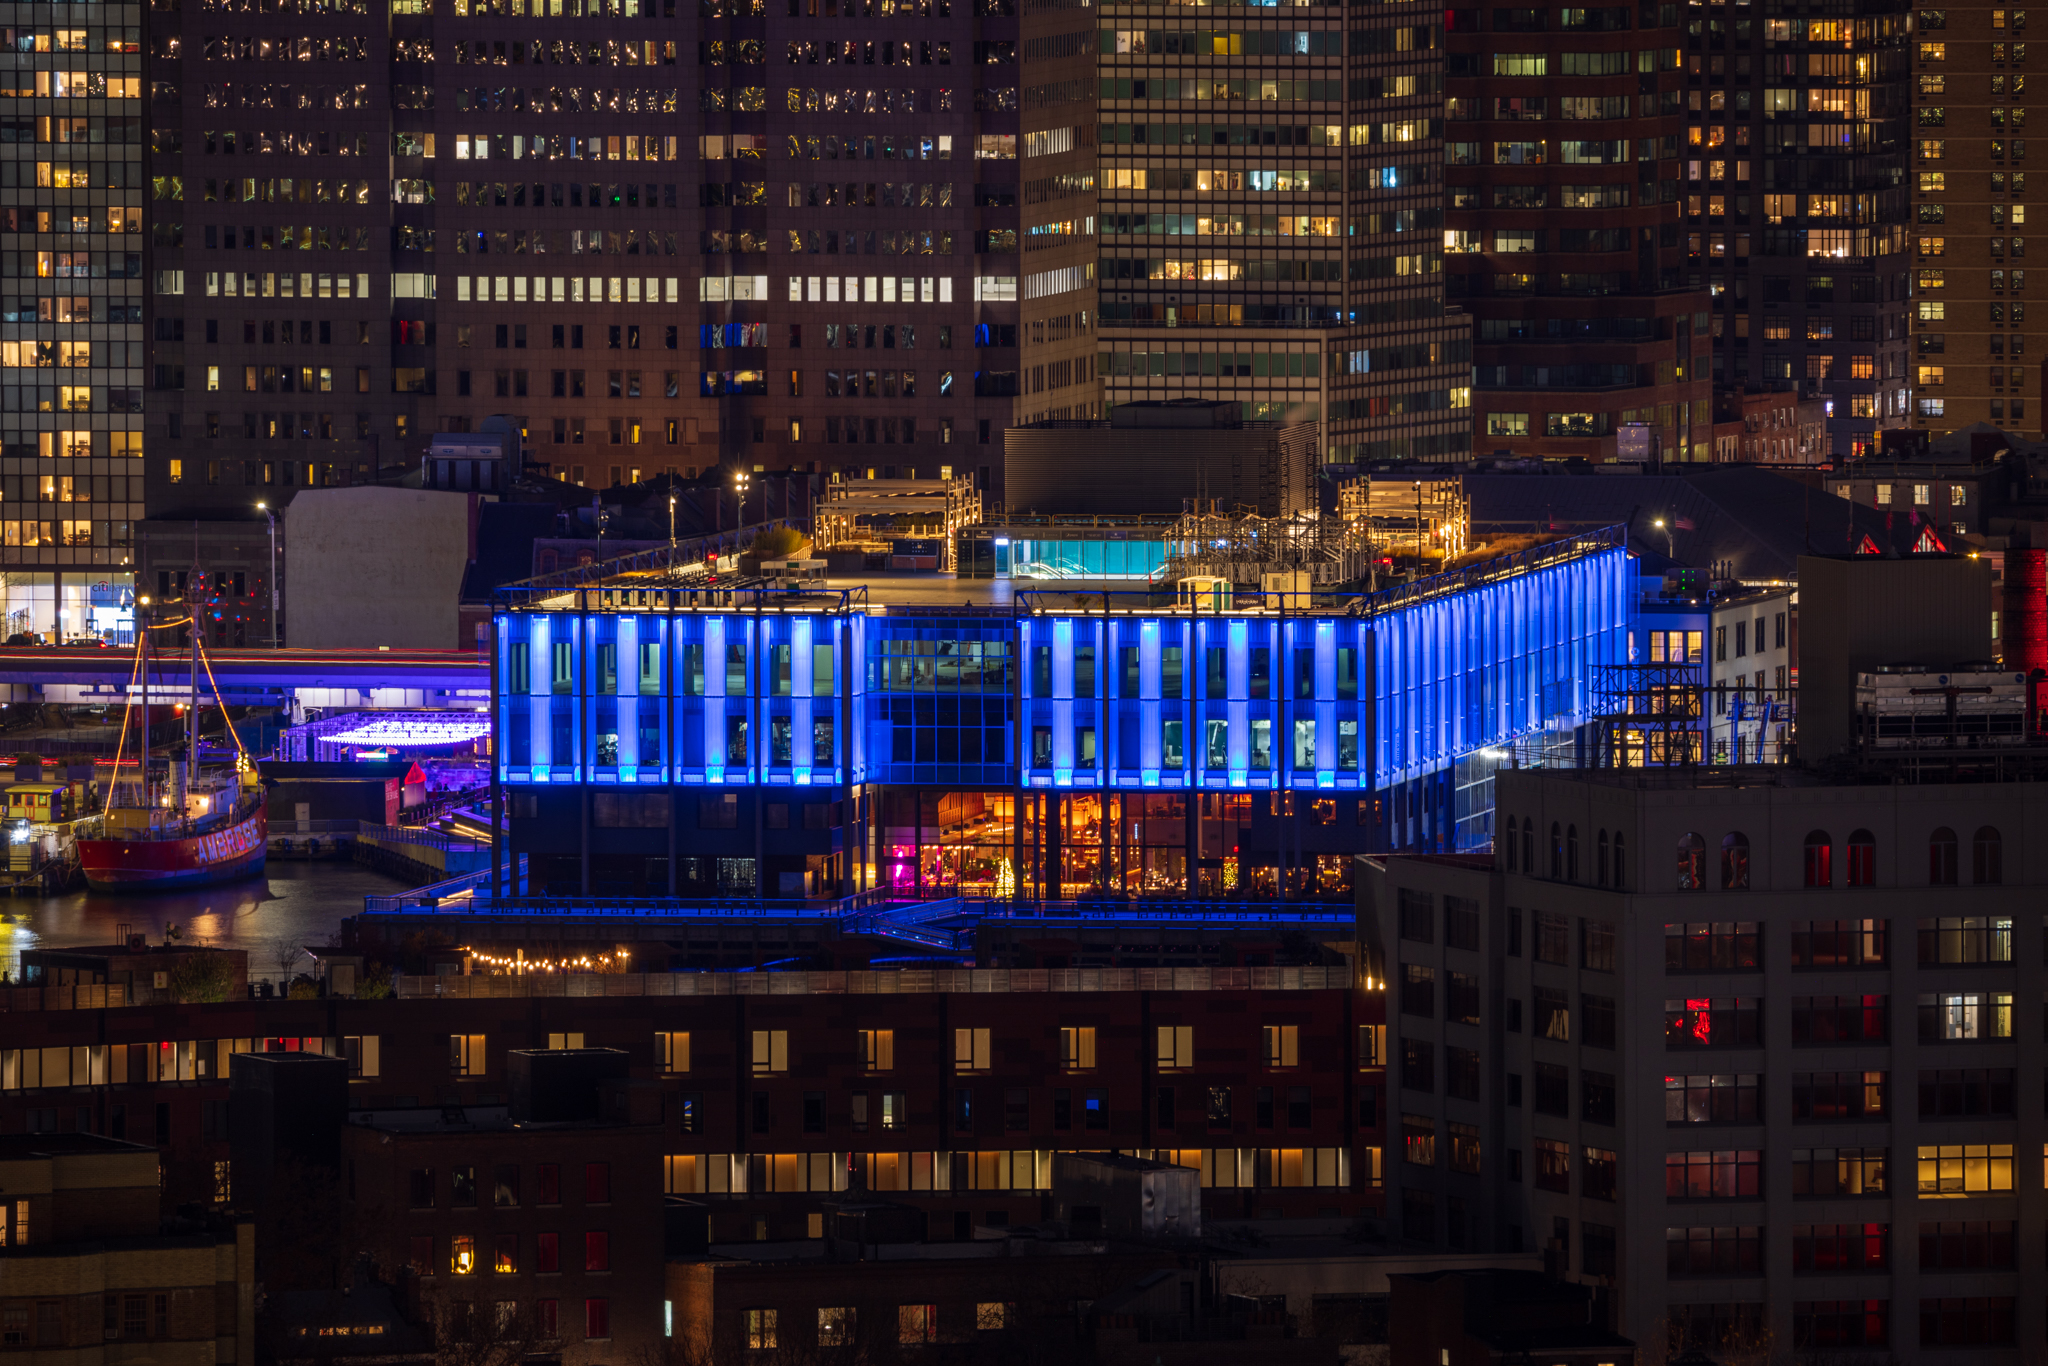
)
(1571, 853)
(1941, 858)
(1556, 850)
(1734, 861)
(1528, 846)
(1820, 859)
(1600, 869)
(1620, 864)
(1508, 843)
(1987, 857)
(1862, 859)
(1692, 863)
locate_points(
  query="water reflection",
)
(301, 903)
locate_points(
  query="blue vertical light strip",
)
(714, 703)
(540, 671)
(800, 673)
(627, 691)
(1325, 639)
(1062, 706)
(1148, 708)
(1237, 683)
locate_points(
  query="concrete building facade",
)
(1755, 1056)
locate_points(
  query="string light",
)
(519, 964)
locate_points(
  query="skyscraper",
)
(1970, 357)
(71, 421)
(638, 249)
(1797, 208)
(1566, 232)
(1271, 223)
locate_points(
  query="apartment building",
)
(1798, 217)
(1754, 1056)
(1752, 674)
(89, 1266)
(1271, 209)
(71, 326)
(726, 135)
(952, 1100)
(1566, 233)
(1969, 169)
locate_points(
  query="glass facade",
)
(1046, 751)
(71, 326)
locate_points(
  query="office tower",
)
(71, 423)
(1271, 218)
(1798, 144)
(1970, 357)
(627, 225)
(1566, 232)
(1758, 1066)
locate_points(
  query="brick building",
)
(953, 1102)
(89, 1265)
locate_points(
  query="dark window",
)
(1820, 859)
(1967, 1093)
(1829, 1249)
(1818, 1097)
(1975, 1245)
(1416, 916)
(1418, 990)
(1461, 1073)
(1596, 945)
(1298, 1107)
(1712, 1098)
(1825, 944)
(1461, 998)
(1596, 1097)
(814, 1112)
(1722, 1174)
(421, 1185)
(1095, 1105)
(1840, 1019)
(1461, 923)
(1987, 858)
(1219, 1107)
(1418, 1066)
(1553, 937)
(1941, 858)
(1823, 1325)
(1017, 1109)
(1262, 1108)
(1062, 1108)
(1553, 1089)
(1162, 1105)
(1977, 1321)
(1730, 1250)
(1823, 1173)
(1713, 946)
(1597, 1017)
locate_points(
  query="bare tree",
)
(286, 953)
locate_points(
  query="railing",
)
(430, 897)
(879, 982)
(426, 839)
(754, 595)
(296, 829)
(678, 908)
(434, 808)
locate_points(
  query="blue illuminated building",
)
(693, 741)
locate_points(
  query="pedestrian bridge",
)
(256, 677)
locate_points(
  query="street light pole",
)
(271, 517)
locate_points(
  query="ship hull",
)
(222, 855)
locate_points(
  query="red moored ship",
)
(196, 828)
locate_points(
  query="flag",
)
(1684, 524)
